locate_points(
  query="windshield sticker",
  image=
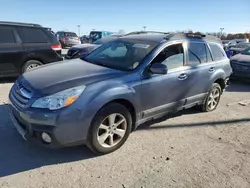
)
(141, 46)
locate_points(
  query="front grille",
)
(20, 96)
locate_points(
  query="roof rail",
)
(19, 24)
(195, 35)
(145, 32)
(191, 35)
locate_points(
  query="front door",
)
(163, 93)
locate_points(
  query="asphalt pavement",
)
(188, 149)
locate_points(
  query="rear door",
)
(199, 72)
(37, 44)
(11, 52)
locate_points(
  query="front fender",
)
(121, 92)
(96, 102)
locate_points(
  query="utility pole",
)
(144, 28)
(79, 30)
(221, 32)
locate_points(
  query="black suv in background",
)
(25, 46)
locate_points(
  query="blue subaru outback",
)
(100, 99)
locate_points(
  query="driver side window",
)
(172, 56)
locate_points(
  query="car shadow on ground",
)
(239, 85)
(148, 125)
(17, 155)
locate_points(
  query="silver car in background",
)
(68, 39)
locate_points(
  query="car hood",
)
(80, 46)
(59, 76)
(241, 58)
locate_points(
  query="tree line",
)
(223, 36)
(227, 36)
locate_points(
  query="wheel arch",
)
(129, 105)
(221, 82)
(30, 59)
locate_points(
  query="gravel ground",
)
(190, 149)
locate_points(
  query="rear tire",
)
(30, 65)
(212, 99)
(109, 129)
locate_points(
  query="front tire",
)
(110, 128)
(212, 99)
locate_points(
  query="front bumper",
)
(240, 70)
(239, 74)
(64, 127)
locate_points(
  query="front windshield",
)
(105, 40)
(246, 51)
(121, 54)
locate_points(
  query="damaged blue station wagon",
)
(98, 100)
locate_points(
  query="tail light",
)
(56, 47)
(65, 38)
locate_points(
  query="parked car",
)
(225, 43)
(98, 100)
(84, 39)
(24, 46)
(239, 47)
(68, 39)
(95, 35)
(234, 42)
(241, 64)
(84, 49)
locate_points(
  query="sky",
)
(131, 15)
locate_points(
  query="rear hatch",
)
(72, 37)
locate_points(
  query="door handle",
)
(211, 70)
(182, 76)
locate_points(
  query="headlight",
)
(60, 99)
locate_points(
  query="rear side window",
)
(32, 35)
(217, 52)
(196, 53)
(6, 35)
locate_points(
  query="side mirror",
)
(158, 68)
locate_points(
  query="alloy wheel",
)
(213, 98)
(32, 66)
(112, 130)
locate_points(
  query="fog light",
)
(46, 138)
